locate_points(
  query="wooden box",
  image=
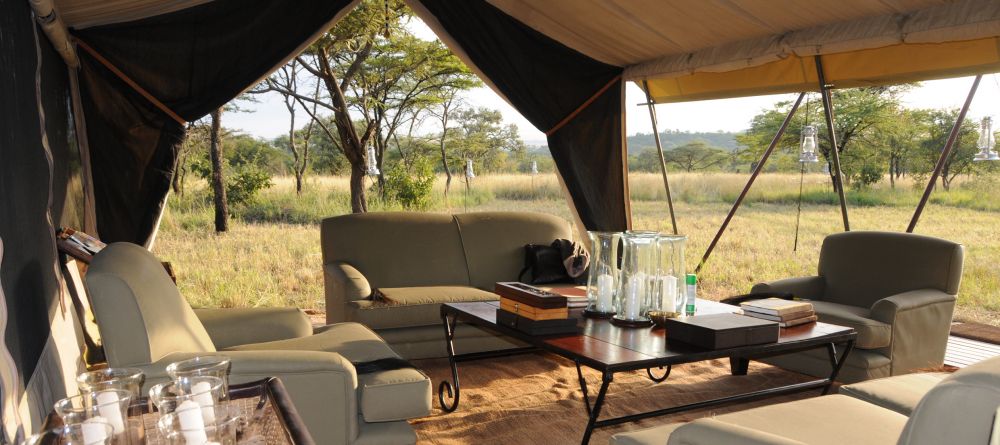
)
(532, 312)
(537, 327)
(720, 331)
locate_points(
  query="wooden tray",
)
(272, 417)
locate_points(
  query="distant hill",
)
(670, 139)
(673, 138)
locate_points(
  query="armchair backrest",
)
(140, 313)
(861, 268)
(963, 408)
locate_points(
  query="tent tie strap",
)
(583, 106)
(128, 80)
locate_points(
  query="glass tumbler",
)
(110, 405)
(95, 431)
(203, 365)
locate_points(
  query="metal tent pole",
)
(838, 183)
(753, 177)
(659, 151)
(945, 152)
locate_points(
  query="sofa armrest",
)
(322, 385)
(810, 288)
(343, 283)
(921, 322)
(710, 431)
(234, 327)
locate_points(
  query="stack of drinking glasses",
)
(192, 408)
(100, 414)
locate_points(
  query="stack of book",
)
(533, 310)
(787, 313)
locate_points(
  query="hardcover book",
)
(776, 306)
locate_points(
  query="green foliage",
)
(866, 176)
(244, 182)
(695, 156)
(412, 189)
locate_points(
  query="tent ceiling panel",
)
(627, 33)
(81, 14)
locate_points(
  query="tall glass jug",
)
(669, 283)
(638, 272)
(602, 283)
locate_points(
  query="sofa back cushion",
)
(962, 408)
(494, 242)
(397, 249)
(140, 313)
(861, 268)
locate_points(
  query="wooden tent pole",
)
(753, 177)
(659, 151)
(945, 152)
(838, 183)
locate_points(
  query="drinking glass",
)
(111, 405)
(129, 379)
(204, 365)
(95, 431)
(192, 424)
(204, 390)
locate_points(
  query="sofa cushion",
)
(397, 394)
(872, 334)
(827, 420)
(412, 306)
(395, 249)
(384, 395)
(494, 242)
(960, 409)
(648, 436)
(899, 393)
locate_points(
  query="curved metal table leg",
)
(649, 372)
(446, 386)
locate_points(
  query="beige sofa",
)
(146, 323)
(420, 260)
(897, 290)
(934, 409)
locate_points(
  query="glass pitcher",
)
(668, 286)
(638, 273)
(602, 283)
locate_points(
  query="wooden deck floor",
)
(963, 352)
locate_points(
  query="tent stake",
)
(945, 152)
(753, 177)
(838, 182)
(659, 151)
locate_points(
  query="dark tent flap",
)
(194, 60)
(547, 82)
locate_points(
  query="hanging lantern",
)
(987, 142)
(372, 164)
(807, 151)
(534, 167)
(468, 169)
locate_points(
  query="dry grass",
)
(272, 257)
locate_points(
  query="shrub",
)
(412, 189)
(244, 182)
(866, 176)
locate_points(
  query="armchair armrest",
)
(322, 385)
(710, 431)
(234, 327)
(810, 288)
(921, 322)
(343, 283)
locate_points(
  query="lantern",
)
(986, 142)
(807, 152)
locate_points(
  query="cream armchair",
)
(146, 323)
(897, 290)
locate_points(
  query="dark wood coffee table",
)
(611, 349)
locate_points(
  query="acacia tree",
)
(857, 112)
(694, 156)
(939, 124)
(218, 180)
(449, 104)
(285, 81)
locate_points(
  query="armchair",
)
(146, 323)
(897, 289)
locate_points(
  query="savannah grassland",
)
(271, 256)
